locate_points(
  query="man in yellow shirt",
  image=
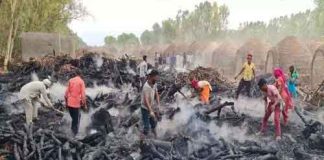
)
(248, 71)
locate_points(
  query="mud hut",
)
(289, 51)
(207, 54)
(317, 66)
(223, 57)
(196, 50)
(152, 49)
(258, 48)
(312, 45)
(272, 60)
(170, 50)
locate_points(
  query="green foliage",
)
(147, 37)
(209, 21)
(110, 40)
(127, 40)
(19, 16)
(122, 40)
(206, 22)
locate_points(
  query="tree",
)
(147, 37)
(110, 40)
(319, 16)
(168, 31)
(223, 13)
(19, 16)
(127, 39)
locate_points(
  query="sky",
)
(113, 17)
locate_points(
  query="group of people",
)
(278, 96)
(150, 98)
(37, 92)
(171, 60)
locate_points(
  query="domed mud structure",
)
(207, 54)
(317, 66)
(289, 51)
(202, 52)
(224, 58)
(257, 48)
(272, 60)
(171, 49)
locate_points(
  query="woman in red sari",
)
(281, 85)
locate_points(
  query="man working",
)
(75, 98)
(248, 71)
(149, 109)
(142, 70)
(203, 87)
(275, 104)
(31, 93)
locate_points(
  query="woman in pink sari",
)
(284, 92)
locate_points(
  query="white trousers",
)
(30, 110)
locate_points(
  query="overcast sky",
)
(113, 17)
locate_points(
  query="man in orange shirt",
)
(75, 98)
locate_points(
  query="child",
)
(272, 96)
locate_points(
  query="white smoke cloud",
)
(98, 60)
(34, 76)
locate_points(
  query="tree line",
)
(19, 16)
(208, 21)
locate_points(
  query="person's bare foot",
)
(278, 138)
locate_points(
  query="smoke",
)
(230, 133)
(320, 116)
(180, 119)
(57, 92)
(248, 106)
(98, 60)
(186, 119)
(34, 77)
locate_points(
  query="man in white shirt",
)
(150, 101)
(31, 93)
(142, 70)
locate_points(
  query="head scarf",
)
(279, 73)
(194, 84)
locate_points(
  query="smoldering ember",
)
(112, 126)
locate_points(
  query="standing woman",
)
(292, 82)
(284, 93)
